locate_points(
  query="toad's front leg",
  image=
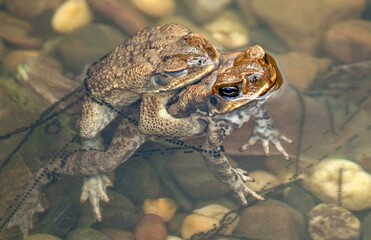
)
(219, 166)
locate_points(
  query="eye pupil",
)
(229, 91)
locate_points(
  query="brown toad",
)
(156, 59)
(220, 104)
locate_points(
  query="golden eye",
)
(230, 91)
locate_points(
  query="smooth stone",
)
(155, 8)
(163, 207)
(300, 69)
(15, 58)
(191, 173)
(86, 234)
(302, 24)
(41, 236)
(222, 201)
(138, 180)
(228, 31)
(207, 220)
(30, 9)
(173, 238)
(349, 41)
(118, 234)
(87, 44)
(17, 32)
(323, 179)
(271, 220)
(203, 10)
(151, 227)
(71, 15)
(328, 221)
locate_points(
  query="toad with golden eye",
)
(214, 107)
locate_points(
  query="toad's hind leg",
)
(91, 163)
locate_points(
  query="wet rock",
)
(71, 15)
(18, 32)
(86, 233)
(17, 57)
(41, 236)
(339, 180)
(328, 221)
(228, 31)
(30, 9)
(300, 69)
(117, 234)
(155, 8)
(121, 13)
(163, 207)
(296, 24)
(173, 238)
(138, 180)
(151, 227)
(271, 220)
(349, 41)
(87, 44)
(207, 220)
(194, 177)
(203, 10)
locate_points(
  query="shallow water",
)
(324, 108)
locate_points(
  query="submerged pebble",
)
(208, 219)
(340, 181)
(151, 227)
(155, 8)
(328, 221)
(163, 207)
(228, 31)
(271, 220)
(349, 41)
(71, 15)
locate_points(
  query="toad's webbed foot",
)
(24, 215)
(266, 136)
(237, 184)
(94, 188)
(21, 214)
(265, 131)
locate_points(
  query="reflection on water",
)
(323, 50)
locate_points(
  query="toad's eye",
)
(177, 74)
(230, 91)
